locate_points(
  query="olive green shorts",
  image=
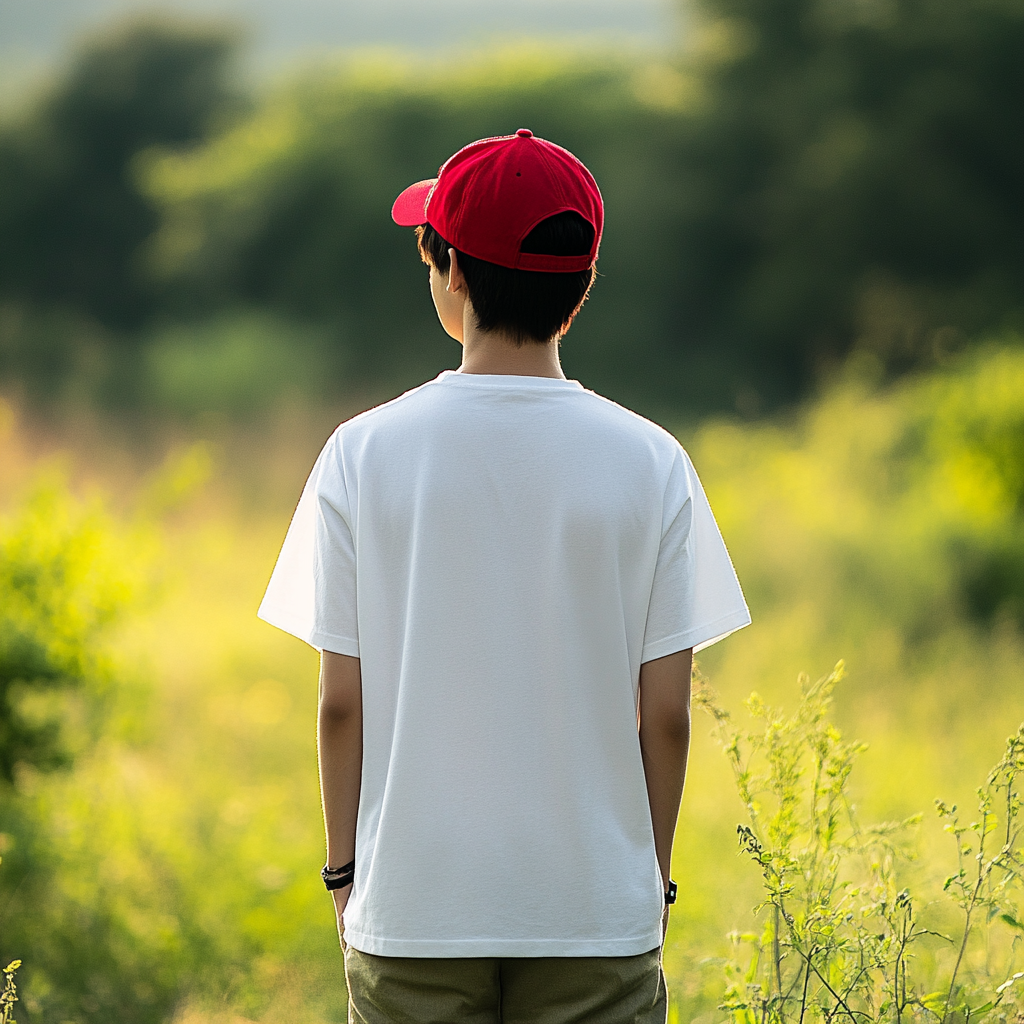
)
(506, 990)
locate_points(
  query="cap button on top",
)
(524, 133)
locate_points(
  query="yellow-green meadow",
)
(169, 871)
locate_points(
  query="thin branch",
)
(776, 953)
(803, 997)
(968, 912)
(852, 1014)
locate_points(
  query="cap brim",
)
(410, 209)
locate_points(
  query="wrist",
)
(338, 877)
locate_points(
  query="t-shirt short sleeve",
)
(312, 592)
(696, 598)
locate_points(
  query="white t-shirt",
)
(502, 553)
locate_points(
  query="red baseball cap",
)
(491, 194)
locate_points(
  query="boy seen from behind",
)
(507, 576)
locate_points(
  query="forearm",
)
(665, 745)
(665, 754)
(340, 750)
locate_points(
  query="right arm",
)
(665, 745)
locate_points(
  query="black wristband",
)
(670, 893)
(338, 878)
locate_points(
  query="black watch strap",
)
(670, 893)
(338, 878)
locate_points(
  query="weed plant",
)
(9, 995)
(842, 938)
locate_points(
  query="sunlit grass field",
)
(185, 842)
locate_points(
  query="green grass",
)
(180, 853)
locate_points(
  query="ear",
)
(456, 280)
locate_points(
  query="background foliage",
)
(811, 271)
(803, 178)
(173, 868)
(841, 936)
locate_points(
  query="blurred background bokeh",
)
(812, 272)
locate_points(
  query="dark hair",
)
(526, 305)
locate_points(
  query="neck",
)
(492, 352)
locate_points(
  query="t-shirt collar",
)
(505, 380)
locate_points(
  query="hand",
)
(340, 902)
(664, 924)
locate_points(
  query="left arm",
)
(340, 754)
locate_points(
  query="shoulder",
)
(351, 434)
(329, 475)
(396, 408)
(647, 451)
(643, 433)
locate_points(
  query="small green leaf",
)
(1009, 981)
(1012, 921)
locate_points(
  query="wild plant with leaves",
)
(9, 995)
(986, 886)
(841, 938)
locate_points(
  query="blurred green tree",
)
(60, 586)
(66, 576)
(71, 215)
(289, 211)
(806, 177)
(867, 161)
(809, 177)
